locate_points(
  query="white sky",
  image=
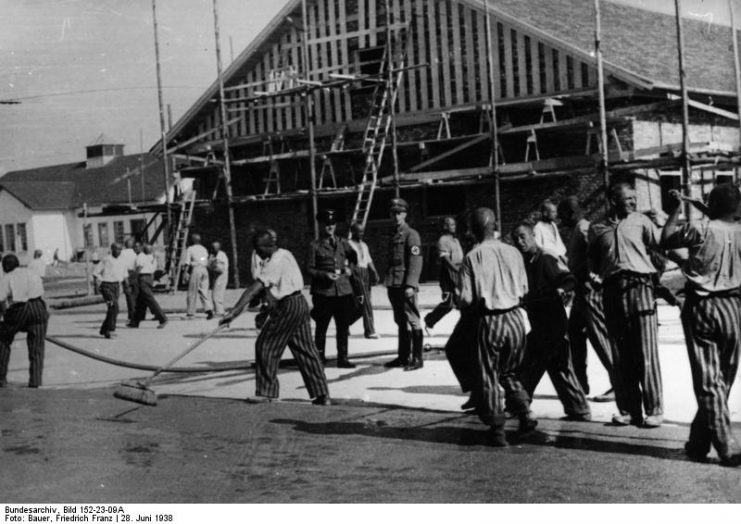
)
(85, 67)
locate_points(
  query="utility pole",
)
(604, 158)
(163, 131)
(227, 160)
(494, 156)
(308, 95)
(686, 169)
(736, 65)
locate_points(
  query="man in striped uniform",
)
(711, 317)
(368, 275)
(146, 265)
(23, 308)
(547, 349)
(587, 317)
(109, 274)
(218, 266)
(196, 258)
(619, 254)
(492, 285)
(288, 324)
(450, 255)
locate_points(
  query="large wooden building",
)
(436, 68)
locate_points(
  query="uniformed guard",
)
(402, 282)
(331, 291)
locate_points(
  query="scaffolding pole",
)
(686, 169)
(601, 93)
(227, 162)
(736, 65)
(308, 95)
(163, 130)
(392, 103)
(494, 156)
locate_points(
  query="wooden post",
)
(227, 156)
(392, 103)
(141, 162)
(494, 156)
(309, 106)
(603, 166)
(85, 226)
(686, 170)
(163, 131)
(736, 65)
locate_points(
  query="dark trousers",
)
(326, 308)
(443, 308)
(547, 351)
(131, 290)
(500, 343)
(288, 325)
(32, 318)
(368, 324)
(460, 350)
(630, 313)
(712, 330)
(146, 300)
(406, 317)
(587, 322)
(110, 292)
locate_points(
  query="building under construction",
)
(344, 103)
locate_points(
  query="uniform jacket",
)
(330, 255)
(405, 262)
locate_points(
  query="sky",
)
(81, 68)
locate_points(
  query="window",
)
(139, 229)
(87, 235)
(22, 237)
(10, 237)
(669, 180)
(103, 234)
(118, 232)
(724, 177)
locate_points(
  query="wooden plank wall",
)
(447, 35)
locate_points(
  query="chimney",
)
(102, 151)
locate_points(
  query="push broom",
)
(138, 391)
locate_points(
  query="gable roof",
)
(638, 46)
(70, 186)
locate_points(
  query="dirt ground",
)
(85, 446)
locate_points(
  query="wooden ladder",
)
(179, 242)
(379, 122)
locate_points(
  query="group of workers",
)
(512, 293)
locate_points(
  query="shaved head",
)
(483, 223)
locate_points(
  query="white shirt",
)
(20, 285)
(110, 270)
(196, 255)
(361, 248)
(548, 238)
(280, 274)
(220, 263)
(128, 259)
(146, 264)
(38, 267)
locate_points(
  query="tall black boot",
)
(416, 361)
(402, 358)
(342, 360)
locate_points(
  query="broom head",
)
(136, 392)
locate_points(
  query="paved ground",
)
(393, 436)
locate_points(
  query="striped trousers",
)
(547, 351)
(460, 350)
(32, 318)
(587, 322)
(288, 325)
(630, 313)
(198, 288)
(368, 324)
(712, 330)
(500, 343)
